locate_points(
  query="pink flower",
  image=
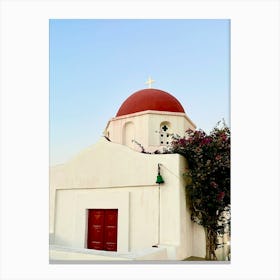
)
(213, 184)
(221, 196)
(218, 157)
(182, 141)
(224, 137)
(206, 141)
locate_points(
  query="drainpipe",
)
(158, 214)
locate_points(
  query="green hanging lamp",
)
(159, 177)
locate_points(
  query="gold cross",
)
(149, 82)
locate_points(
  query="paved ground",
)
(197, 259)
(194, 259)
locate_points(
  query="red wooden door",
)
(102, 229)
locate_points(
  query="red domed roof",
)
(150, 99)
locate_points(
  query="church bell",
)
(159, 177)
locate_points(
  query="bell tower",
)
(147, 119)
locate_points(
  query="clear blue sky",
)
(96, 64)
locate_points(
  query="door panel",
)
(95, 229)
(102, 229)
(110, 230)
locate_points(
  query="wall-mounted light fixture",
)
(159, 177)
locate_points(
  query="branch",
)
(198, 210)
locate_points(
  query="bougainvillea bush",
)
(208, 180)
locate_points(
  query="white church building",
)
(113, 201)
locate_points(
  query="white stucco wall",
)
(146, 128)
(137, 215)
(199, 241)
(110, 175)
